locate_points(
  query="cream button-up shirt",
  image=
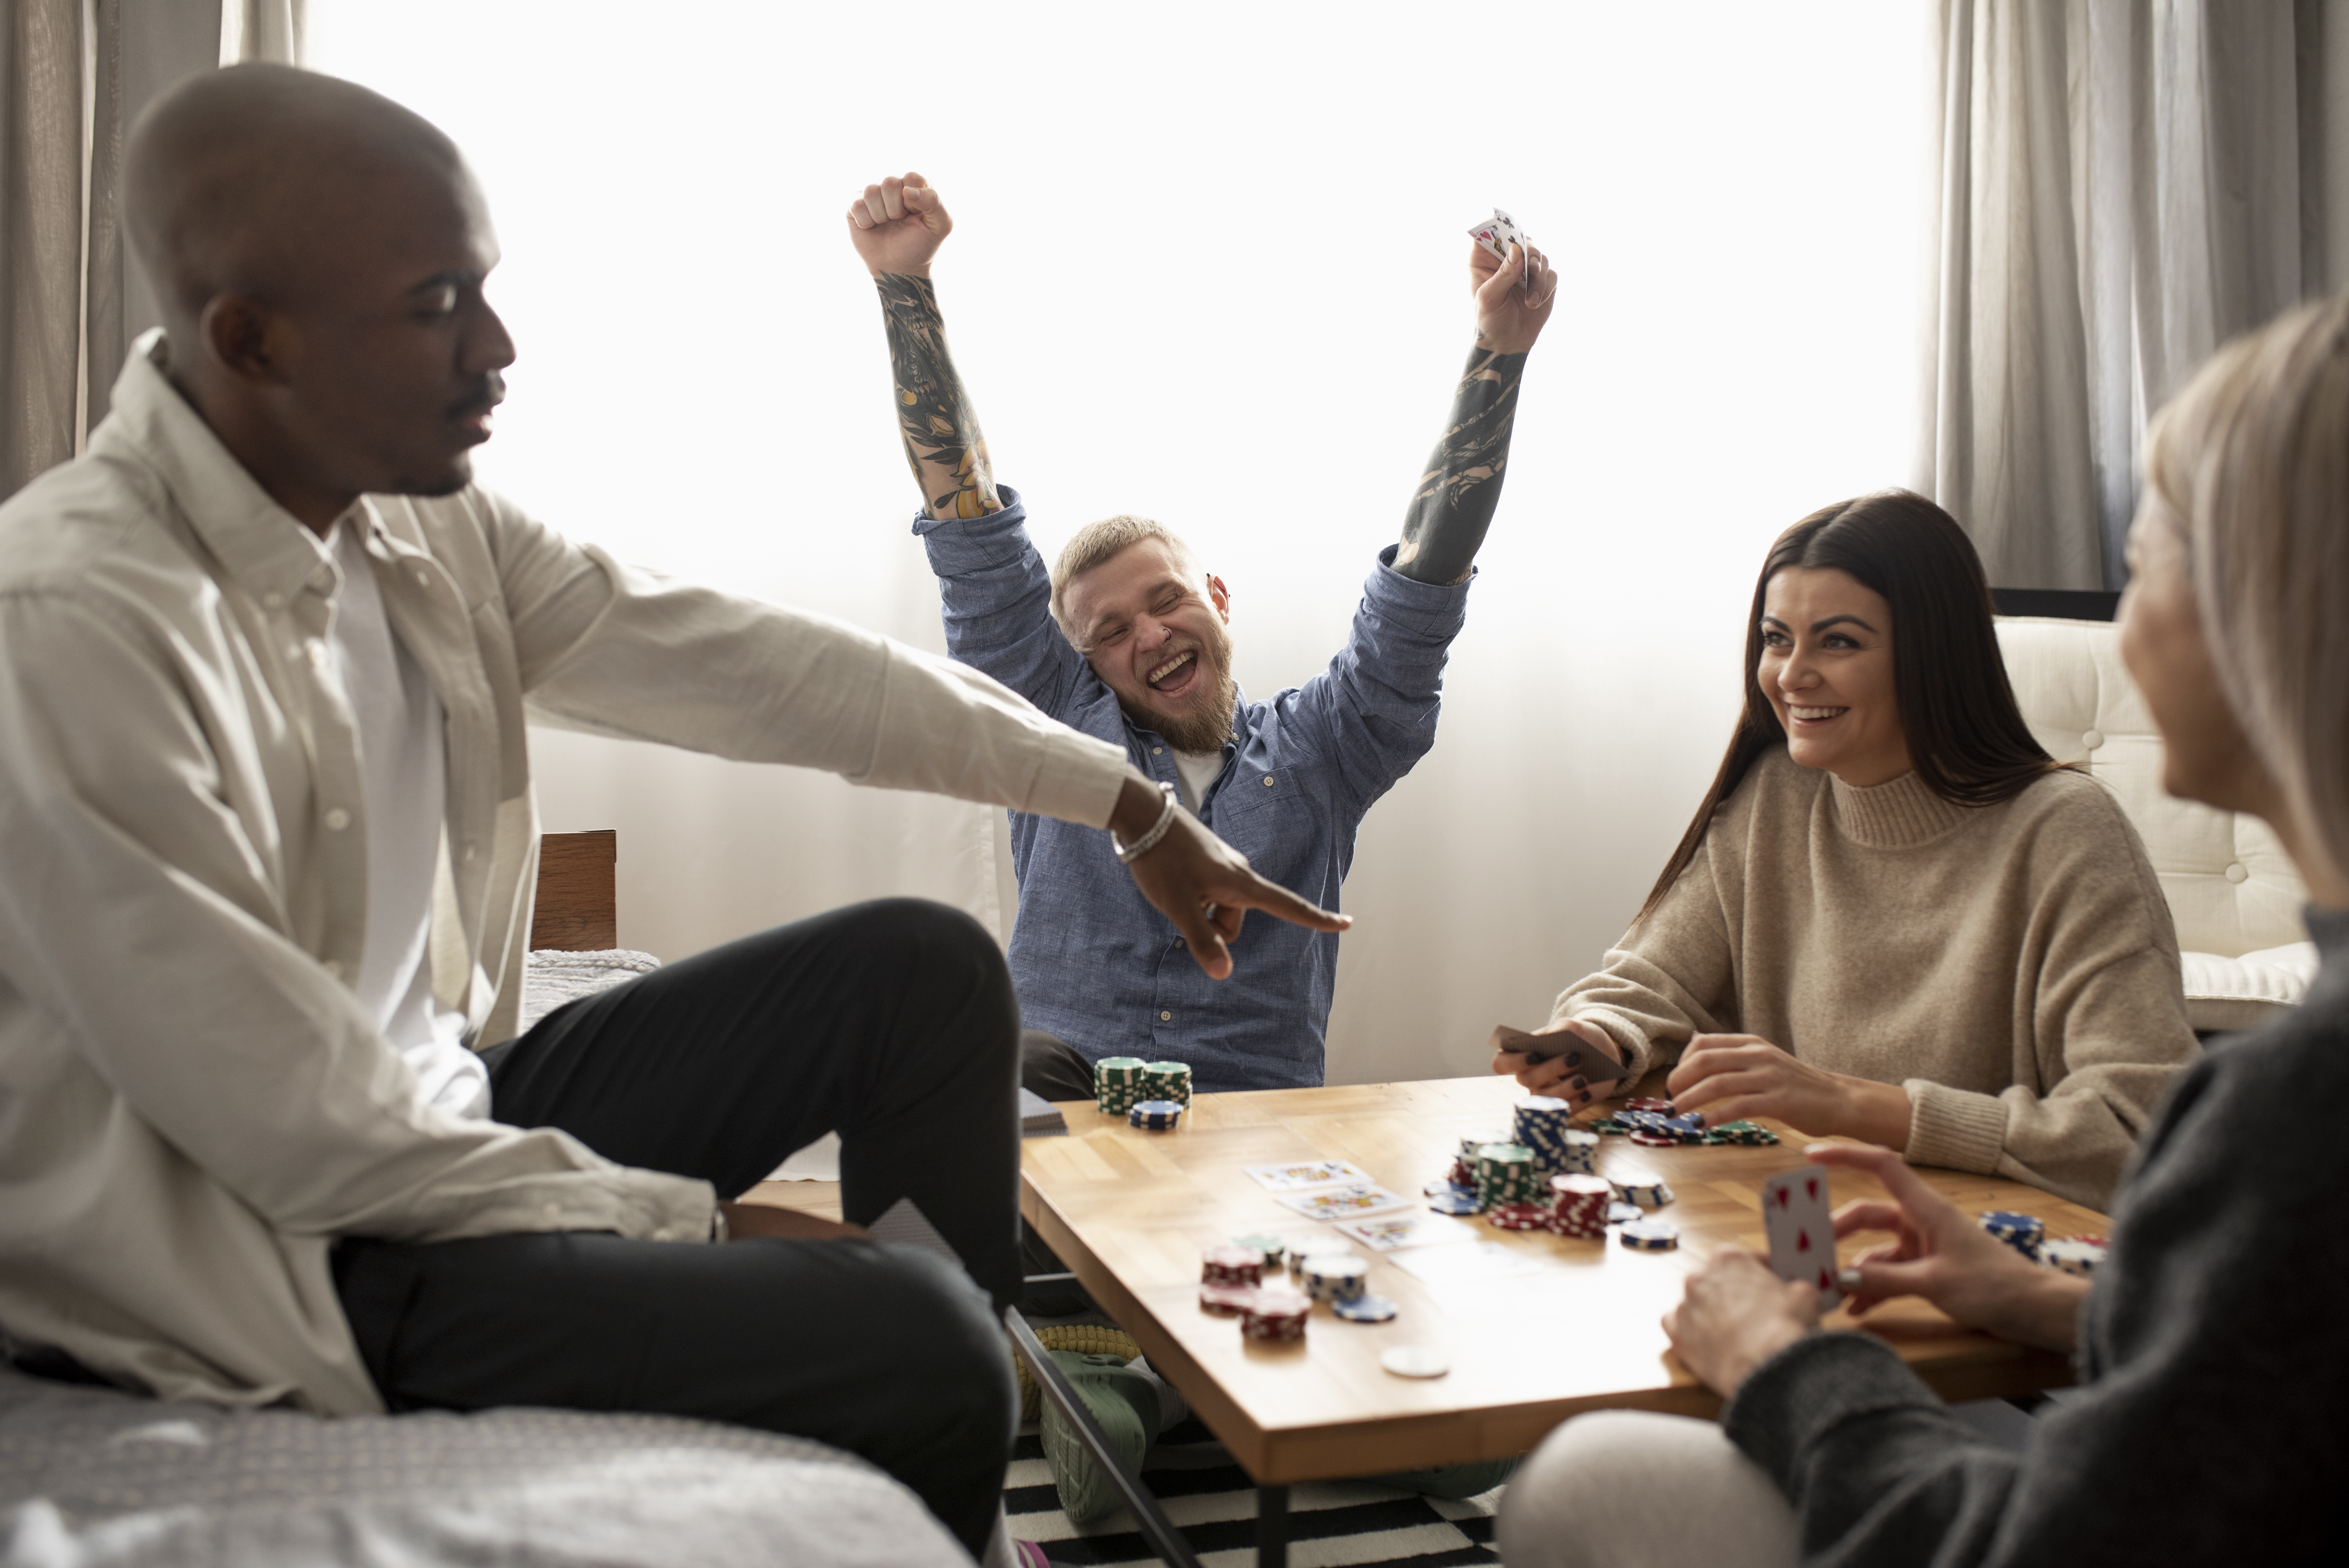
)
(192, 1103)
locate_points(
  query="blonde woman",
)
(2209, 1344)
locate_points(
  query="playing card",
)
(1595, 1065)
(1304, 1174)
(1498, 236)
(1357, 1201)
(1395, 1232)
(1802, 1233)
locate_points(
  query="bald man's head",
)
(319, 251)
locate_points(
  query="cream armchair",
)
(2233, 890)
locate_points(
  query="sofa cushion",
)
(2232, 890)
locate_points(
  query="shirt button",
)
(338, 818)
(1268, 780)
(2237, 872)
(2092, 738)
(1165, 1017)
(423, 579)
(333, 967)
(273, 600)
(1157, 751)
(1178, 941)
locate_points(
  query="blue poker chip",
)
(1365, 1309)
(1453, 1201)
(1155, 1115)
(1651, 1236)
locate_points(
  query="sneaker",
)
(1124, 1404)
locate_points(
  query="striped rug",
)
(1331, 1524)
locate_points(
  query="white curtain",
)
(74, 76)
(2121, 190)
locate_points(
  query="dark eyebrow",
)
(1821, 625)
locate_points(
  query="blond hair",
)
(2253, 459)
(1099, 542)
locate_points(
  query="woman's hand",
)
(1734, 1316)
(1560, 1075)
(1729, 1077)
(1947, 1259)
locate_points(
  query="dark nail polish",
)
(1582, 1083)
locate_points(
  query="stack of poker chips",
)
(2024, 1232)
(1519, 1217)
(1578, 1206)
(2073, 1255)
(1226, 1300)
(1541, 1125)
(1153, 1115)
(1166, 1080)
(1232, 1263)
(1645, 1191)
(1650, 1236)
(1505, 1174)
(1117, 1084)
(1276, 1316)
(1335, 1276)
(1751, 1134)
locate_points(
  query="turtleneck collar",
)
(1900, 815)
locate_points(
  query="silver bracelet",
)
(1129, 853)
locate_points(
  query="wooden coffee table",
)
(1129, 1211)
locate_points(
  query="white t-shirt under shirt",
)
(1197, 771)
(404, 783)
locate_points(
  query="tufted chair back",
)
(2232, 890)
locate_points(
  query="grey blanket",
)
(94, 1479)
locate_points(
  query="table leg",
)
(1272, 1527)
(1156, 1529)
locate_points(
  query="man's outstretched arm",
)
(1457, 496)
(897, 226)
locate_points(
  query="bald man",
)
(266, 856)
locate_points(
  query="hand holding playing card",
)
(1515, 291)
(898, 225)
(1571, 1060)
(1944, 1257)
(1733, 1316)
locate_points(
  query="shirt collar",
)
(263, 546)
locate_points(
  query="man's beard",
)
(1205, 727)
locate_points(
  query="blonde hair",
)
(2253, 459)
(1099, 542)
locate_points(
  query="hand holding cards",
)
(1498, 236)
(1581, 1055)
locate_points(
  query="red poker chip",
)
(1225, 1300)
(1663, 1106)
(1646, 1140)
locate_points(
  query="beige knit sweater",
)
(2013, 966)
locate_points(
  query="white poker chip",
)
(1414, 1361)
(1365, 1309)
(1624, 1214)
(1651, 1236)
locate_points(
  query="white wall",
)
(1209, 267)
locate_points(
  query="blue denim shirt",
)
(1093, 962)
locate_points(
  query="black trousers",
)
(892, 1023)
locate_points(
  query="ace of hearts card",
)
(1802, 1233)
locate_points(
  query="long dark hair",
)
(1965, 733)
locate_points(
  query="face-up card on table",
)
(1392, 1233)
(1302, 1175)
(1589, 1060)
(1358, 1201)
(1802, 1233)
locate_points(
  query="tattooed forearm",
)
(942, 444)
(1454, 502)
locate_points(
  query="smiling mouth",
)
(1813, 715)
(1175, 673)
